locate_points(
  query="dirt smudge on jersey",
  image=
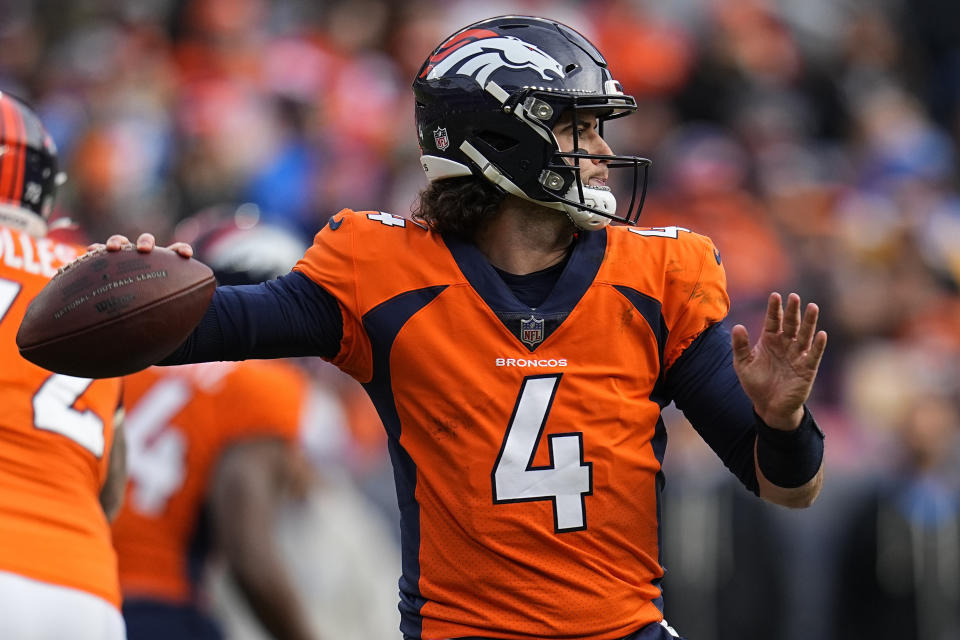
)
(444, 427)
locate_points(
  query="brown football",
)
(112, 313)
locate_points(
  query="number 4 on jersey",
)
(565, 481)
(156, 449)
(391, 220)
(388, 219)
(659, 232)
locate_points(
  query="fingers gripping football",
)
(145, 244)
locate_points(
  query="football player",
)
(61, 444)
(212, 451)
(519, 349)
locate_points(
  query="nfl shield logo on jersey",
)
(440, 137)
(531, 331)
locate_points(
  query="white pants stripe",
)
(34, 610)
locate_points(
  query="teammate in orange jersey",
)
(61, 445)
(519, 349)
(212, 449)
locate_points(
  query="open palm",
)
(777, 373)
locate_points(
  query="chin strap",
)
(602, 199)
(22, 220)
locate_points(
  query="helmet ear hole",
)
(498, 141)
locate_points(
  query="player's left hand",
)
(778, 372)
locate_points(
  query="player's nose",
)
(601, 148)
(596, 145)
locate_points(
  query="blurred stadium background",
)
(816, 141)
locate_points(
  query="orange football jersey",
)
(527, 443)
(56, 432)
(179, 421)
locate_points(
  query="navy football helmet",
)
(487, 100)
(238, 247)
(28, 168)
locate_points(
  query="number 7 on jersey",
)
(565, 481)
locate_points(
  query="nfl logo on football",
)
(531, 331)
(440, 138)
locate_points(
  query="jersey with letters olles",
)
(56, 433)
(527, 442)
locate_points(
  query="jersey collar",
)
(582, 267)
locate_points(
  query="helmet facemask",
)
(589, 207)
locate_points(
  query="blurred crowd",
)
(816, 141)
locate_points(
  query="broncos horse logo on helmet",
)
(478, 53)
(496, 89)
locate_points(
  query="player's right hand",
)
(145, 244)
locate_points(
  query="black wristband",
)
(790, 459)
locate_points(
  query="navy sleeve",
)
(290, 316)
(705, 387)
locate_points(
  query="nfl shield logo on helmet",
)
(441, 139)
(531, 331)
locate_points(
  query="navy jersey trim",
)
(382, 324)
(659, 444)
(651, 310)
(585, 261)
(581, 269)
(199, 550)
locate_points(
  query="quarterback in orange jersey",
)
(211, 450)
(61, 448)
(519, 349)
